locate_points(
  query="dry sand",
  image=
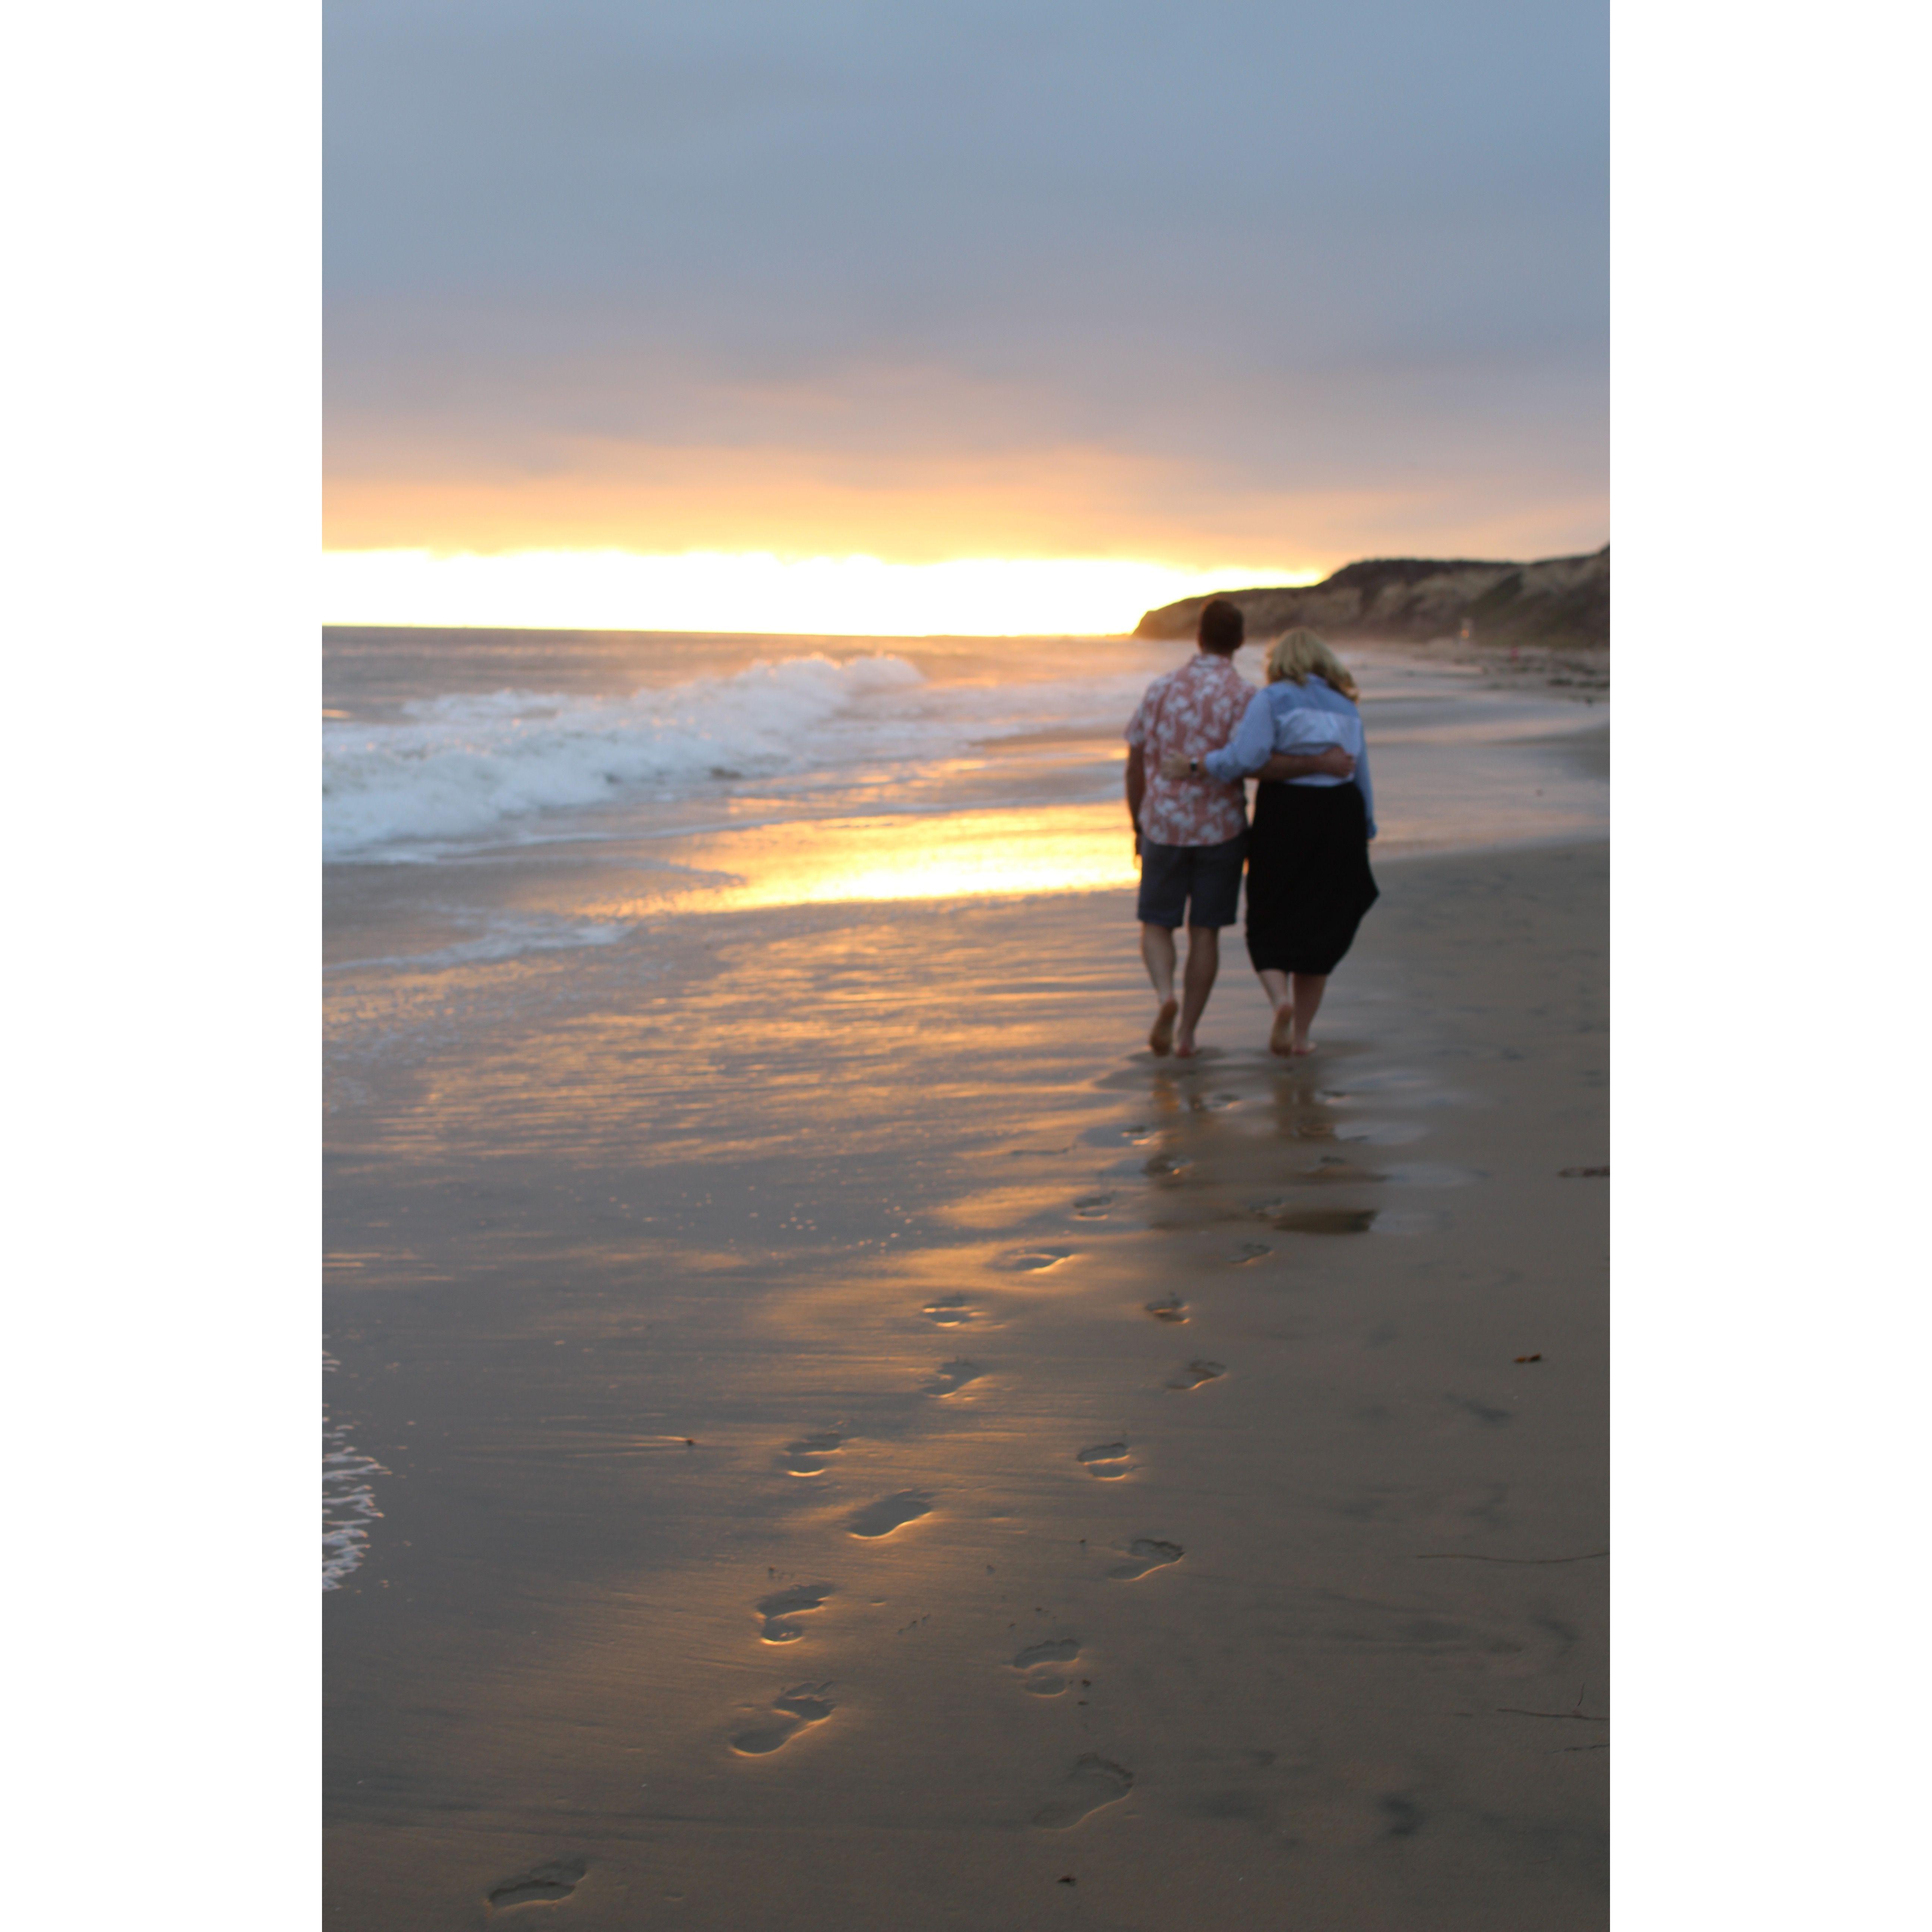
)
(1114, 1498)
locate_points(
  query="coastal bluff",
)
(1562, 602)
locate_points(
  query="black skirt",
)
(1308, 881)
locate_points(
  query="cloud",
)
(1202, 262)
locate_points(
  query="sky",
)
(1180, 294)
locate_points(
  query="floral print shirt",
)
(1193, 710)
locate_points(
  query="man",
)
(1191, 831)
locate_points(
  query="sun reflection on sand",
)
(962, 855)
(995, 853)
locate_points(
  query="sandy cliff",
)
(1562, 602)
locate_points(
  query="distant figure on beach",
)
(1191, 825)
(1308, 881)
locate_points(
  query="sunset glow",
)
(1071, 848)
(849, 596)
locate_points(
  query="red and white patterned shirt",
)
(1191, 710)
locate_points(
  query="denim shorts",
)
(1208, 875)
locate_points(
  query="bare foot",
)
(1279, 1033)
(1300, 1047)
(1161, 1040)
(1183, 1047)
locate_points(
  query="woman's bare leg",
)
(1309, 987)
(1274, 984)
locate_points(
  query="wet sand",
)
(1114, 1494)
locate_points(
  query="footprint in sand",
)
(1196, 1372)
(1326, 1220)
(1105, 1459)
(1144, 1555)
(1172, 1309)
(1334, 1168)
(1033, 1261)
(554, 1879)
(1094, 1782)
(1092, 1207)
(798, 1710)
(806, 1456)
(949, 1378)
(782, 1605)
(1165, 1167)
(1036, 1665)
(891, 1512)
(950, 1311)
(1250, 1251)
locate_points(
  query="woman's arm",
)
(1331, 762)
(1366, 790)
(1247, 750)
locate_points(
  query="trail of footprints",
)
(1043, 1669)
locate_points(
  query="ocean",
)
(466, 751)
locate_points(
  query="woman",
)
(1308, 881)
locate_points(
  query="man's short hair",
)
(1222, 626)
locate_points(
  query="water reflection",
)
(1065, 848)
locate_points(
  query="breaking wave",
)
(457, 767)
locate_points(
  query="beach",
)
(829, 1431)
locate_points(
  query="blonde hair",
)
(1300, 654)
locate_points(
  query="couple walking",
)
(1199, 732)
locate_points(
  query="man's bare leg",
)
(1157, 951)
(1203, 962)
(1309, 987)
(1274, 984)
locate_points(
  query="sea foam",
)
(348, 1502)
(457, 767)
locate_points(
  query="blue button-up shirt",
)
(1299, 718)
